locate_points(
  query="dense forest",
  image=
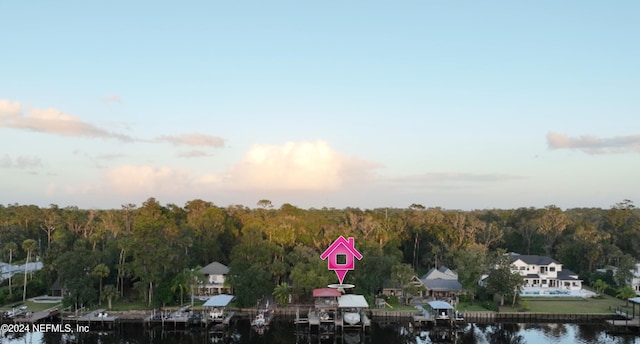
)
(148, 254)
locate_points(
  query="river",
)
(281, 332)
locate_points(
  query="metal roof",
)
(215, 268)
(221, 300)
(326, 292)
(352, 301)
(439, 305)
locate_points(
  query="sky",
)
(369, 104)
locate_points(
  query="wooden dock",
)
(98, 318)
(36, 317)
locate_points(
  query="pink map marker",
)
(342, 255)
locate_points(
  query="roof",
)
(215, 268)
(349, 244)
(352, 301)
(567, 275)
(326, 292)
(532, 276)
(533, 259)
(635, 299)
(443, 284)
(439, 305)
(443, 272)
(221, 300)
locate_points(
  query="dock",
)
(180, 318)
(98, 318)
(36, 317)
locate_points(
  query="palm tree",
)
(181, 283)
(28, 246)
(101, 271)
(626, 293)
(600, 286)
(110, 292)
(281, 293)
(10, 247)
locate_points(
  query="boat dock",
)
(95, 318)
(181, 317)
(35, 317)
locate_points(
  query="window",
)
(522, 268)
(341, 259)
(552, 268)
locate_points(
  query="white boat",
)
(351, 317)
(216, 313)
(423, 338)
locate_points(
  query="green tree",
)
(28, 246)
(281, 293)
(401, 275)
(503, 282)
(470, 264)
(10, 247)
(109, 293)
(626, 292)
(600, 286)
(100, 271)
(181, 283)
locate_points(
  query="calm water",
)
(285, 333)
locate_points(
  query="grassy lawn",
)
(604, 304)
(32, 306)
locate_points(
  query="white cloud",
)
(595, 145)
(51, 121)
(312, 166)
(21, 162)
(194, 139)
(193, 154)
(147, 180)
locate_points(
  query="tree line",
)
(147, 253)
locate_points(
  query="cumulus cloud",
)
(312, 166)
(52, 121)
(194, 139)
(21, 162)
(294, 168)
(131, 179)
(595, 145)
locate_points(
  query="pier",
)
(36, 317)
(98, 319)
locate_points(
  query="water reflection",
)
(286, 333)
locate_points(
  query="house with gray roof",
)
(544, 272)
(440, 284)
(214, 280)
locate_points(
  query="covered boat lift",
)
(216, 306)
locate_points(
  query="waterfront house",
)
(544, 272)
(440, 284)
(215, 277)
(633, 282)
(544, 276)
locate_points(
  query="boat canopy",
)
(352, 301)
(326, 292)
(221, 300)
(635, 300)
(439, 305)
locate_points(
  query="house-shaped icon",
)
(342, 255)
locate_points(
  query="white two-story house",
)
(544, 272)
(215, 277)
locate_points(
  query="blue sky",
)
(462, 105)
